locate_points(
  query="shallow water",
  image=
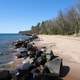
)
(6, 49)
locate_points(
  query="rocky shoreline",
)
(33, 62)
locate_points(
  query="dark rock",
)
(54, 65)
(5, 75)
(22, 52)
(18, 44)
(40, 60)
(38, 53)
(32, 50)
(29, 46)
(36, 74)
(18, 55)
(27, 66)
(24, 73)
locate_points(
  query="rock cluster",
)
(38, 64)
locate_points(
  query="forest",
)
(66, 23)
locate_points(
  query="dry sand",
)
(68, 48)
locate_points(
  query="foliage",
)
(65, 24)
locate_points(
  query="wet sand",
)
(68, 48)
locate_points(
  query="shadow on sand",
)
(64, 71)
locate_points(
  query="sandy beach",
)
(68, 48)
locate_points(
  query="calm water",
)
(5, 46)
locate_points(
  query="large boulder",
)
(54, 66)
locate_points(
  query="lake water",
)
(5, 46)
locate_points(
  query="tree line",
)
(66, 23)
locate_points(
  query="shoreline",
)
(11, 39)
(63, 46)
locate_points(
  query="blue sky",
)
(16, 15)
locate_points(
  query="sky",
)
(20, 15)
